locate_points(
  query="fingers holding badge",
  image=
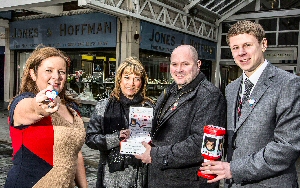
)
(48, 99)
(51, 94)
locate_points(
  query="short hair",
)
(130, 65)
(248, 27)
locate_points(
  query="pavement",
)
(91, 157)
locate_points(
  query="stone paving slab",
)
(90, 163)
(91, 157)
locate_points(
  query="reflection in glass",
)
(291, 23)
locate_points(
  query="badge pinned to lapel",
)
(174, 106)
(251, 102)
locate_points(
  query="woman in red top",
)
(46, 130)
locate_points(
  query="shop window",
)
(271, 38)
(228, 74)
(269, 24)
(91, 74)
(291, 23)
(112, 68)
(206, 68)
(20, 68)
(87, 67)
(226, 26)
(226, 53)
(98, 68)
(157, 66)
(223, 40)
(290, 38)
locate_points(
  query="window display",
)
(158, 71)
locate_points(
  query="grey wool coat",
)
(177, 136)
(265, 143)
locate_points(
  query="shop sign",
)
(281, 53)
(78, 31)
(161, 39)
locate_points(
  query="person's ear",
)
(264, 44)
(198, 64)
(32, 74)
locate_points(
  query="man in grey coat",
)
(181, 113)
(263, 125)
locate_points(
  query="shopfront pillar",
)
(8, 70)
(128, 38)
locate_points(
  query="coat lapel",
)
(190, 92)
(180, 103)
(231, 96)
(260, 88)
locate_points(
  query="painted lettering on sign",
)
(25, 33)
(83, 29)
(162, 38)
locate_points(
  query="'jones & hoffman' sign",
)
(78, 31)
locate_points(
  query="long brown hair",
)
(33, 62)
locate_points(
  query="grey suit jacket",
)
(265, 143)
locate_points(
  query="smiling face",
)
(210, 146)
(52, 71)
(184, 66)
(130, 84)
(247, 52)
(131, 79)
(247, 42)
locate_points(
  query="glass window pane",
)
(246, 9)
(271, 38)
(269, 4)
(226, 53)
(288, 4)
(269, 24)
(226, 26)
(290, 38)
(291, 23)
(223, 41)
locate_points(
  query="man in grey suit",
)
(263, 124)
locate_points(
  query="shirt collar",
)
(255, 76)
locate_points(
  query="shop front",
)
(88, 39)
(156, 45)
(283, 57)
(283, 39)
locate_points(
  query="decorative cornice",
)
(65, 13)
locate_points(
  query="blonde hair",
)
(130, 65)
(248, 27)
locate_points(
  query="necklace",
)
(162, 113)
